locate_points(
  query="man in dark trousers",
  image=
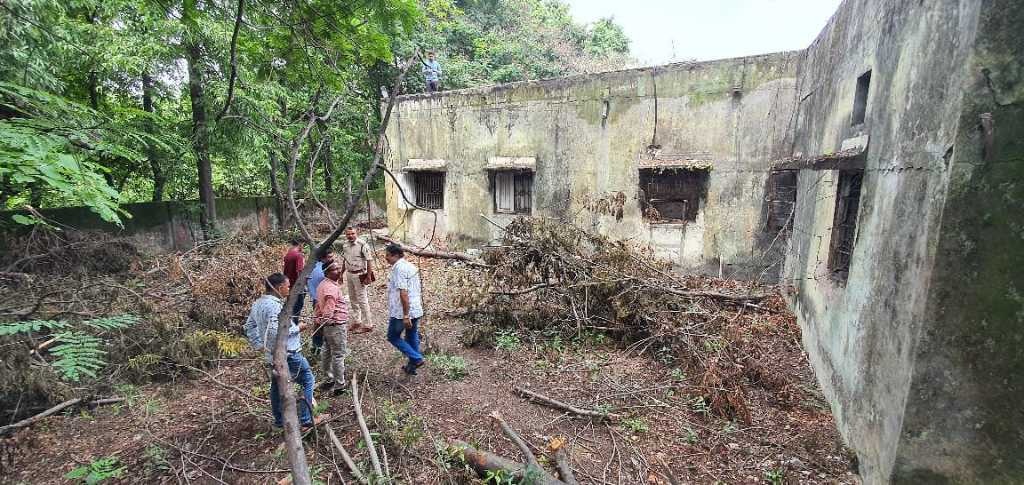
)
(261, 330)
(405, 307)
(294, 261)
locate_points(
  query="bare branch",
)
(234, 62)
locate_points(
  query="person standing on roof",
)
(294, 261)
(432, 73)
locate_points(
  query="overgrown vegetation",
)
(94, 332)
(106, 102)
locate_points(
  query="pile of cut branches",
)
(551, 275)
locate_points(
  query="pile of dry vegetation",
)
(549, 274)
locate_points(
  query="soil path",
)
(201, 431)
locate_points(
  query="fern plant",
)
(31, 326)
(97, 471)
(77, 354)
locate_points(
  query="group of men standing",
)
(335, 314)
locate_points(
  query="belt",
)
(357, 272)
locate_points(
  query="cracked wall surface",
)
(918, 347)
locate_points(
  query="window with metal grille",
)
(844, 226)
(513, 192)
(672, 195)
(780, 200)
(429, 187)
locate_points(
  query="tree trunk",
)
(159, 178)
(200, 141)
(328, 168)
(275, 190)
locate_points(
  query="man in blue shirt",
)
(315, 278)
(432, 73)
(261, 330)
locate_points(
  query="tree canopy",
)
(108, 102)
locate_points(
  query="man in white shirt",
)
(405, 307)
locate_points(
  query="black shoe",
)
(325, 385)
(409, 369)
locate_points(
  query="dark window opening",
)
(860, 100)
(429, 187)
(513, 192)
(781, 200)
(672, 195)
(844, 226)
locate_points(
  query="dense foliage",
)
(107, 102)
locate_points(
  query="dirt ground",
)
(216, 428)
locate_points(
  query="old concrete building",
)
(879, 173)
(676, 156)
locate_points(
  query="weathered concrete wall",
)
(964, 420)
(900, 347)
(918, 348)
(588, 134)
(174, 225)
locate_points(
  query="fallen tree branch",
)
(29, 421)
(222, 461)
(523, 291)
(484, 461)
(227, 386)
(711, 294)
(366, 431)
(542, 399)
(345, 456)
(531, 460)
(424, 253)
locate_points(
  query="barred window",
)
(513, 192)
(844, 226)
(780, 200)
(673, 194)
(429, 188)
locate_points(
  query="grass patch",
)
(452, 367)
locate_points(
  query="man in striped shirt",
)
(261, 330)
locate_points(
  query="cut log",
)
(562, 463)
(547, 401)
(483, 462)
(424, 253)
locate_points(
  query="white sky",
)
(664, 31)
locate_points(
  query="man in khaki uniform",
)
(358, 273)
